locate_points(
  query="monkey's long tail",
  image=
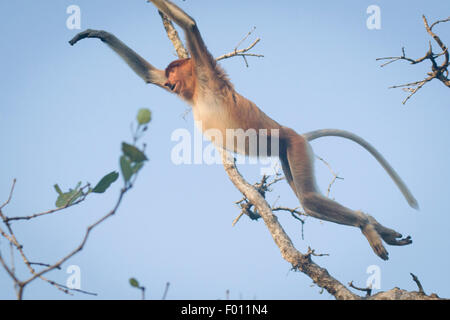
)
(351, 136)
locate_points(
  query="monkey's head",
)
(180, 78)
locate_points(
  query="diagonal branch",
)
(437, 39)
(85, 238)
(241, 52)
(172, 33)
(301, 262)
(68, 205)
(11, 237)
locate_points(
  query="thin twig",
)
(13, 240)
(244, 38)
(68, 205)
(166, 290)
(439, 21)
(142, 292)
(438, 72)
(8, 269)
(243, 52)
(414, 90)
(416, 280)
(13, 263)
(41, 264)
(68, 289)
(312, 252)
(295, 214)
(335, 175)
(236, 220)
(83, 242)
(10, 195)
(368, 291)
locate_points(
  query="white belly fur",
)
(211, 114)
(212, 118)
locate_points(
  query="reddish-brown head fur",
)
(180, 78)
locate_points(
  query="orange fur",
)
(180, 78)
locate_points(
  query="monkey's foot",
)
(375, 241)
(390, 236)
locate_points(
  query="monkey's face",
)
(180, 78)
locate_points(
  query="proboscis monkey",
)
(202, 83)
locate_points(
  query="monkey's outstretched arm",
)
(351, 136)
(197, 47)
(144, 69)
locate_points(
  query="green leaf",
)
(144, 116)
(125, 166)
(62, 200)
(65, 199)
(134, 283)
(106, 182)
(78, 194)
(58, 189)
(133, 153)
(137, 167)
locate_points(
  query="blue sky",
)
(65, 110)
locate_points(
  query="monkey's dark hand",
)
(89, 33)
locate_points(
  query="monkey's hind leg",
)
(297, 162)
(374, 230)
(318, 206)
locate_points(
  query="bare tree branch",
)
(439, 72)
(80, 247)
(68, 205)
(172, 33)
(10, 195)
(419, 285)
(299, 261)
(368, 291)
(13, 240)
(134, 160)
(335, 175)
(166, 290)
(243, 52)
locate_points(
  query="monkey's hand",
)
(89, 33)
(142, 67)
